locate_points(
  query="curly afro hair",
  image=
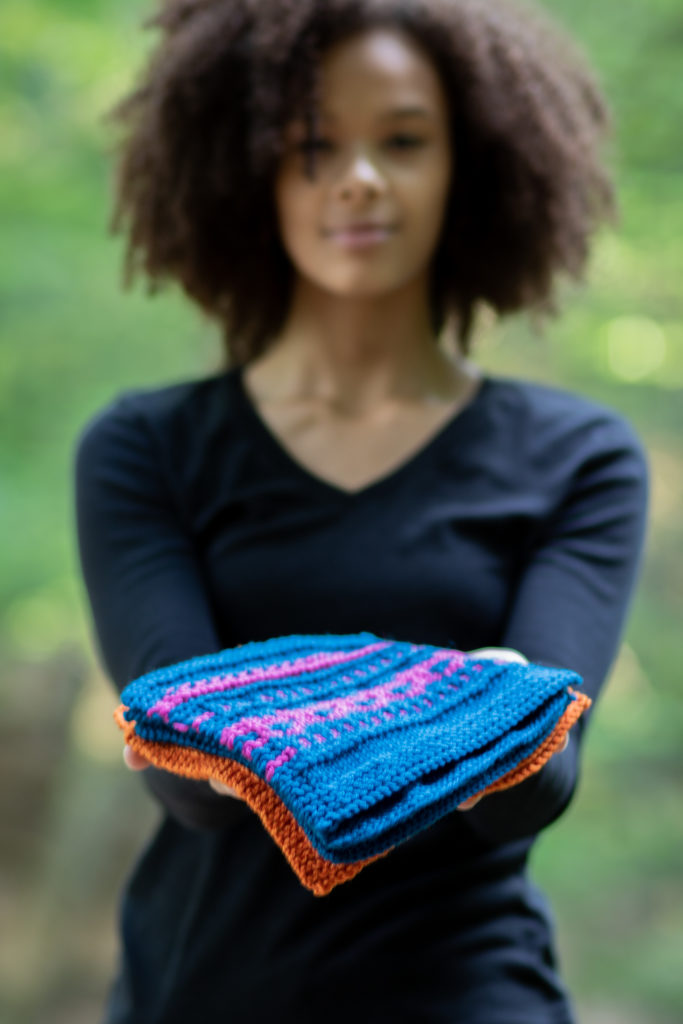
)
(202, 137)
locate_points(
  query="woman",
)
(340, 184)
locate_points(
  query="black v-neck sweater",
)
(521, 523)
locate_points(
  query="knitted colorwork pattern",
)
(347, 745)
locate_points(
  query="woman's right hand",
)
(137, 763)
(220, 787)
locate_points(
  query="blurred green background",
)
(73, 817)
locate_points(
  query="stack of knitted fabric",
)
(346, 745)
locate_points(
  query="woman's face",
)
(368, 221)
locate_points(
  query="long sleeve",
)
(571, 605)
(147, 598)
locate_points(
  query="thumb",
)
(136, 762)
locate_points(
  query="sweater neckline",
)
(458, 422)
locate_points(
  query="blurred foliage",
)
(69, 341)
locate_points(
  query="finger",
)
(502, 653)
(469, 803)
(220, 787)
(136, 762)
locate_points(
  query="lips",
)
(359, 227)
(360, 234)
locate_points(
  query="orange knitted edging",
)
(542, 754)
(314, 871)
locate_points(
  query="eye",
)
(407, 141)
(315, 145)
(400, 141)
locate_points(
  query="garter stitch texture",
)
(346, 745)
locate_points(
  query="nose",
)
(361, 180)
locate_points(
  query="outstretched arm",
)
(148, 600)
(570, 608)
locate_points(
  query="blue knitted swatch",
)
(366, 740)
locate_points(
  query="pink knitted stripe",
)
(282, 670)
(412, 682)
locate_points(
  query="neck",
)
(359, 351)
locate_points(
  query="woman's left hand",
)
(468, 804)
(507, 654)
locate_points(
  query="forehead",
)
(376, 71)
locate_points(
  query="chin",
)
(364, 285)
